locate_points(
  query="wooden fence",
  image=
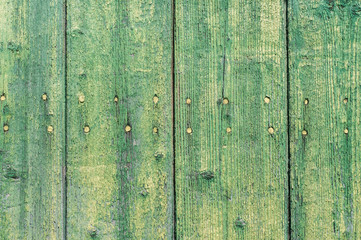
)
(183, 119)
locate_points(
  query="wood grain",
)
(231, 173)
(120, 183)
(324, 68)
(31, 158)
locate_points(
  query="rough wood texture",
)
(324, 68)
(231, 185)
(31, 158)
(120, 184)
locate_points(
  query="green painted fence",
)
(180, 119)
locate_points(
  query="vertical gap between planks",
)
(65, 162)
(289, 230)
(173, 121)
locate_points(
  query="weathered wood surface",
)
(89, 105)
(231, 172)
(120, 181)
(324, 70)
(31, 158)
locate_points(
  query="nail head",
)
(189, 130)
(50, 129)
(116, 99)
(267, 100)
(225, 101)
(81, 99)
(345, 131)
(86, 129)
(188, 101)
(306, 101)
(345, 100)
(229, 130)
(6, 128)
(44, 97)
(155, 130)
(271, 130)
(155, 99)
(2, 98)
(128, 128)
(304, 133)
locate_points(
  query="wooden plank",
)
(31, 158)
(324, 65)
(231, 183)
(120, 183)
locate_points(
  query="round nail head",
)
(86, 129)
(225, 101)
(267, 100)
(345, 101)
(116, 99)
(44, 97)
(128, 128)
(2, 98)
(50, 129)
(81, 99)
(189, 130)
(304, 133)
(271, 130)
(306, 101)
(188, 101)
(155, 130)
(229, 130)
(345, 131)
(6, 128)
(155, 99)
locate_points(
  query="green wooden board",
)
(324, 70)
(231, 183)
(120, 183)
(31, 158)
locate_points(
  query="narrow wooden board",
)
(324, 64)
(31, 158)
(231, 185)
(120, 184)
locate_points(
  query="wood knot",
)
(158, 156)
(240, 223)
(144, 192)
(93, 232)
(11, 173)
(208, 175)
